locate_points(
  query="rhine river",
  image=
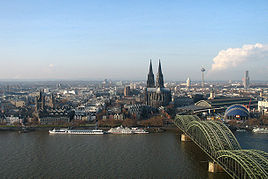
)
(159, 155)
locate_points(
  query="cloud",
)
(49, 69)
(51, 65)
(233, 57)
(17, 76)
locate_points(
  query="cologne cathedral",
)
(156, 94)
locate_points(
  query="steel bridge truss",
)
(220, 144)
(244, 163)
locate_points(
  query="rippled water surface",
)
(163, 155)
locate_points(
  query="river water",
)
(159, 155)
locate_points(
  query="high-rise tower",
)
(212, 93)
(40, 102)
(150, 79)
(127, 91)
(261, 93)
(159, 77)
(52, 101)
(246, 80)
(188, 82)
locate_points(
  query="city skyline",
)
(105, 40)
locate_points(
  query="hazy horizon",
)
(120, 80)
(91, 40)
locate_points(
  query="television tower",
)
(203, 80)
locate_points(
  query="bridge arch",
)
(226, 136)
(200, 135)
(212, 136)
(244, 163)
(220, 144)
(182, 121)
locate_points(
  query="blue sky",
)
(53, 39)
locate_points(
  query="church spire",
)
(150, 68)
(159, 68)
(150, 79)
(159, 77)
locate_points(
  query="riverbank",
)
(39, 128)
(50, 127)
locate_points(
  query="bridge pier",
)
(214, 167)
(185, 138)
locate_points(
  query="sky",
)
(94, 40)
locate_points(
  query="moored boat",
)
(260, 130)
(77, 131)
(126, 130)
(136, 130)
(86, 132)
(120, 130)
(58, 131)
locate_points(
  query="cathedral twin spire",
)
(159, 77)
(150, 79)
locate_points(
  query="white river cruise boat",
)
(58, 131)
(120, 130)
(136, 130)
(77, 131)
(260, 130)
(126, 130)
